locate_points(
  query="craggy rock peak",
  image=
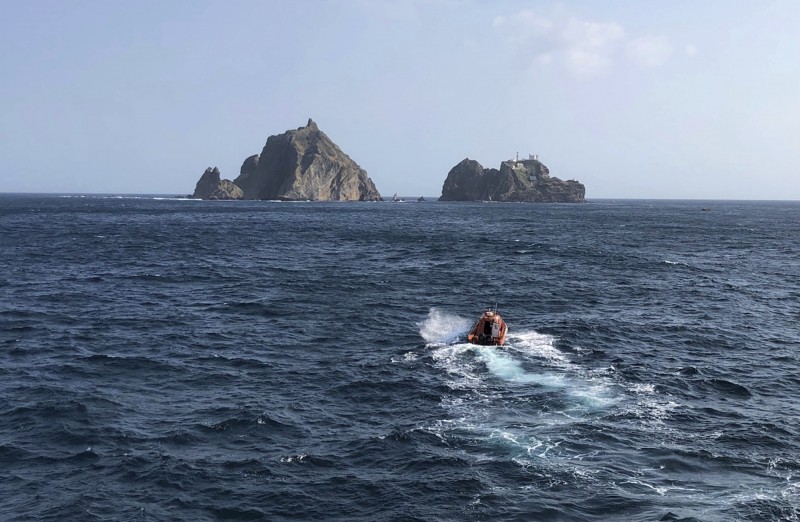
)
(211, 186)
(299, 165)
(517, 180)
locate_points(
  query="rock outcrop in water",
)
(211, 186)
(517, 180)
(299, 165)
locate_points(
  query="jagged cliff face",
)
(298, 165)
(527, 180)
(210, 186)
(304, 164)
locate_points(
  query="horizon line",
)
(432, 198)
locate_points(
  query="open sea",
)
(168, 359)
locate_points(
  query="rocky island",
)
(298, 165)
(517, 180)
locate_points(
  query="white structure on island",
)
(531, 157)
(532, 170)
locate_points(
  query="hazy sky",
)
(636, 99)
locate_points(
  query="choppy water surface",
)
(174, 359)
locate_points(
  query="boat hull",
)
(490, 330)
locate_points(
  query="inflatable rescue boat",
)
(489, 330)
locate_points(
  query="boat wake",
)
(441, 328)
(541, 408)
(516, 398)
(528, 358)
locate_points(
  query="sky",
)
(635, 99)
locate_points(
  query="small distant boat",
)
(421, 199)
(395, 199)
(490, 330)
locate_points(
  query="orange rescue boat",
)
(489, 330)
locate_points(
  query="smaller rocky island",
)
(211, 186)
(525, 180)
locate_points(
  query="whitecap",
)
(642, 388)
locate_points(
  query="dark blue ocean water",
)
(183, 360)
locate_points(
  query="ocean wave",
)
(266, 361)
